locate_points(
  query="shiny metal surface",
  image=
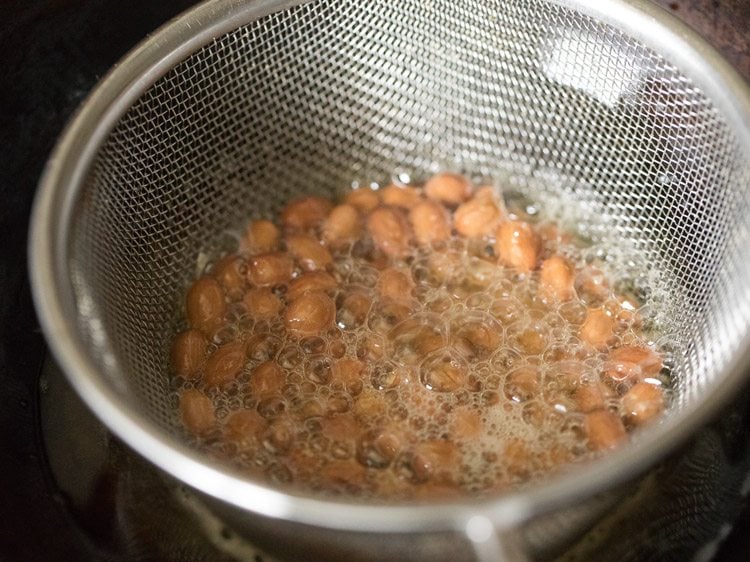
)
(235, 107)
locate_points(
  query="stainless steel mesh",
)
(574, 113)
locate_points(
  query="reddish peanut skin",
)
(517, 245)
(451, 189)
(243, 428)
(228, 272)
(430, 223)
(225, 364)
(389, 231)
(206, 305)
(305, 213)
(188, 353)
(310, 281)
(348, 374)
(266, 379)
(310, 314)
(364, 199)
(262, 237)
(262, 303)
(556, 278)
(404, 197)
(597, 328)
(309, 252)
(642, 403)
(343, 225)
(394, 285)
(266, 270)
(604, 430)
(477, 217)
(197, 411)
(648, 360)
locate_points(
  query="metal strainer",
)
(610, 110)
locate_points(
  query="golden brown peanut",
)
(348, 374)
(389, 231)
(262, 303)
(341, 427)
(266, 270)
(305, 213)
(517, 245)
(354, 309)
(197, 411)
(243, 427)
(430, 223)
(378, 448)
(438, 458)
(345, 472)
(451, 189)
(188, 353)
(443, 374)
(395, 285)
(364, 199)
(477, 339)
(479, 216)
(604, 430)
(467, 423)
(266, 379)
(591, 285)
(309, 252)
(206, 305)
(310, 314)
(225, 364)
(369, 406)
(229, 272)
(523, 383)
(642, 403)
(396, 196)
(624, 358)
(556, 278)
(310, 281)
(588, 397)
(343, 225)
(598, 328)
(262, 237)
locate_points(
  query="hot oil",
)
(467, 382)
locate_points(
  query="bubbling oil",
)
(466, 379)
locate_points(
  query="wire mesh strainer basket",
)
(608, 111)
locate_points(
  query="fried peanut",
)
(197, 411)
(390, 231)
(206, 305)
(309, 252)
(229, 272)
(395, 285)
(310, 281)
(517, 245)
(343, 225)
(398, 196)
(305, 213)
(556, 278)
(604, 430)
(225, 364)
(364, 199)
(243, 427)
(466, 423)
(188, 353)
(310, 314)
(348, 374)
(262, 303)
(598, 328)
(266, 379)
(479, 216)
(451, 189)
(642, 403)
(430, 223)
(262, 237)
(266, 270)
